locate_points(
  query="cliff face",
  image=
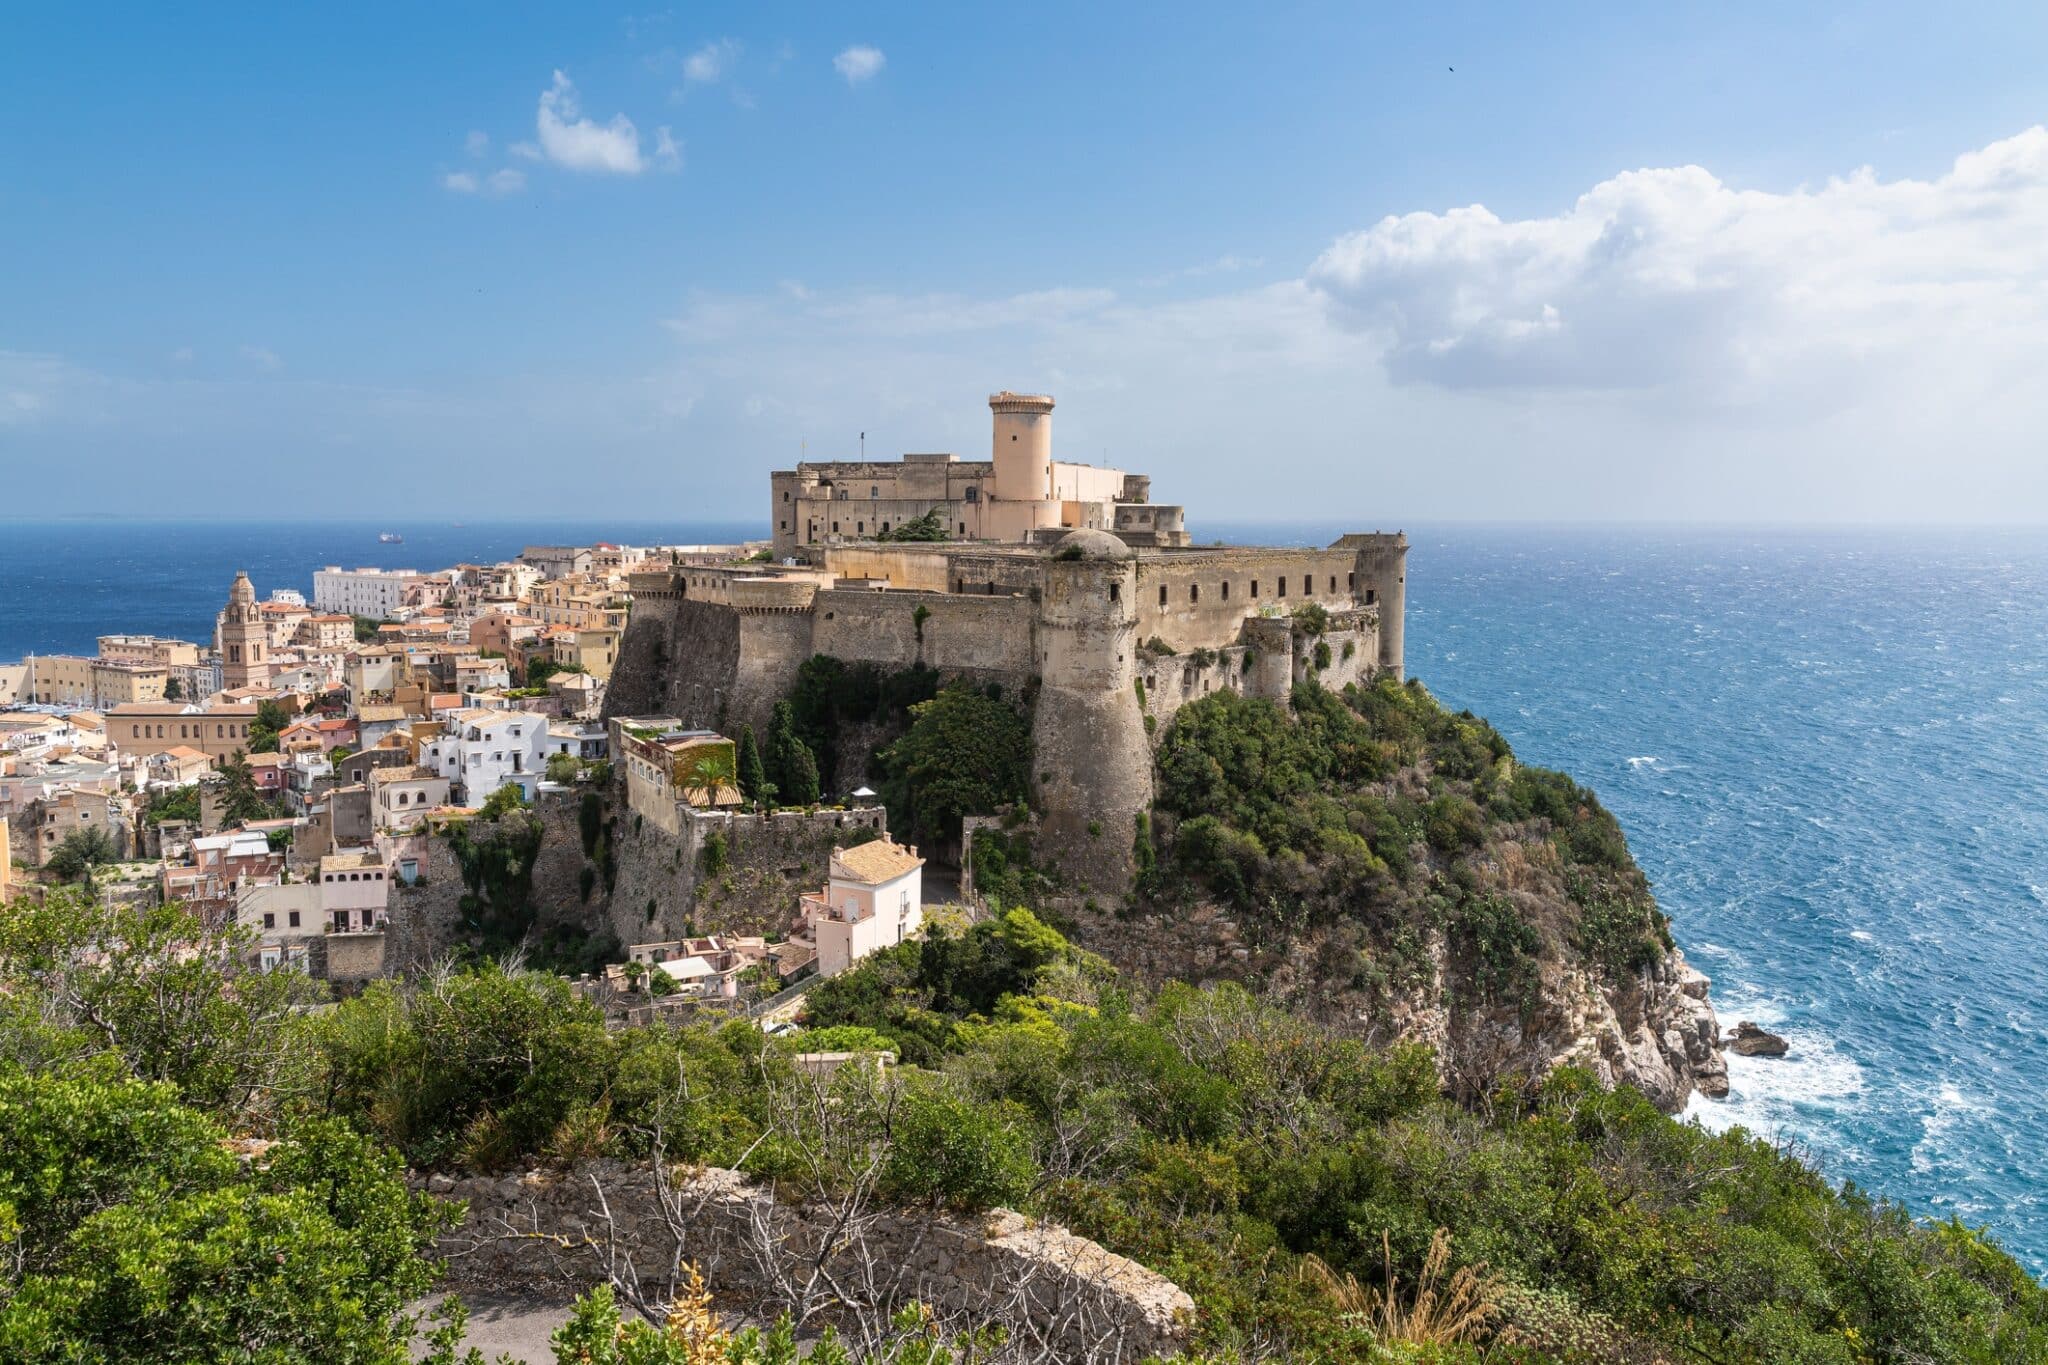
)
(1384, 865)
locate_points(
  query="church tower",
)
(242, 638)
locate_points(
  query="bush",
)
(950, 1151)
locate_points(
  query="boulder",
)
(1750, 1041)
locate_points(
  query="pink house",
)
(873, 899)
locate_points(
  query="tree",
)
(136, 1234)
(502, 802)
(179, 803)
(753, 776)
(929, 527)
(966, 753)
(563, 767)
(78, 853)
(173, 690)
(240, 801)
(710, 772)
(271, 717)
(791, 765)
(157, 989)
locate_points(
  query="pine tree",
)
(240, 802)
(792, 767)
(753, 776)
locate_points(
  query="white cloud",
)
(1671, 282)
(576, 143)
(509, 180)
(478, 143)
(668, 154)
(1867, 350)
(263, 358)
(710, 62)
(859, 63)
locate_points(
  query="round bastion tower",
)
(1091, 765)
(1023, 446)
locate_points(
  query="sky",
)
(1728, 262)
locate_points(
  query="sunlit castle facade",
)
(1020, 489)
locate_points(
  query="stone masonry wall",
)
(1044, 1283)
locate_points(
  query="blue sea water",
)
(1829, 749)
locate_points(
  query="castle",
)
(1062, 580)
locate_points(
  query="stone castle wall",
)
(1047, 1285)
(1078, 631)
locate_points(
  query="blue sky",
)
(374, 248)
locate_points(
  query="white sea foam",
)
(1949, 1104)
(1794, 1095)
(1643, 762)
(1863, 936)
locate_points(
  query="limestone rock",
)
(1749, 1040)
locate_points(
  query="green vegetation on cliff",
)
(1267, 1164)
(1381, 810)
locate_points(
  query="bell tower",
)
(243, 639)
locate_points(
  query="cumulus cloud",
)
(263, 358)
(477, 143)
(574, 142)
(710, 62)
(859, 63)
(1670, 279)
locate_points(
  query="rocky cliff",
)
(1383, 864)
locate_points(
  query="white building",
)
(873, 899)
(483, 750)
(401, 797)
(375, 593)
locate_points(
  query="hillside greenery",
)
(1380, 810)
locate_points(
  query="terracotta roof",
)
(874, 863)
(374, 714)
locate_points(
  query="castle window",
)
(1194, 592)
(874, 492)
(1333, 582)
(782, 526)
(963, 528)
(1370, 597)
(885, 528)
(1226, 590)
(835, 528)
(785, 495)
(1351, 582)
(1255, 587)
(1162, 594)
(1116, 592)
(860, 528)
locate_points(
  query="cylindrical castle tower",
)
(1383, 571)
(1023, 446)
(1091, 762)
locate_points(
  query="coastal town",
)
(291, 774)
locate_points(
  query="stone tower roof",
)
(1020, 402)
(243, 590)
(1091, 544)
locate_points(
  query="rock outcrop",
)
(1045, 1285)
(1656, 1032)
(1749, 1040)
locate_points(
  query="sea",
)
(1828, 747)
